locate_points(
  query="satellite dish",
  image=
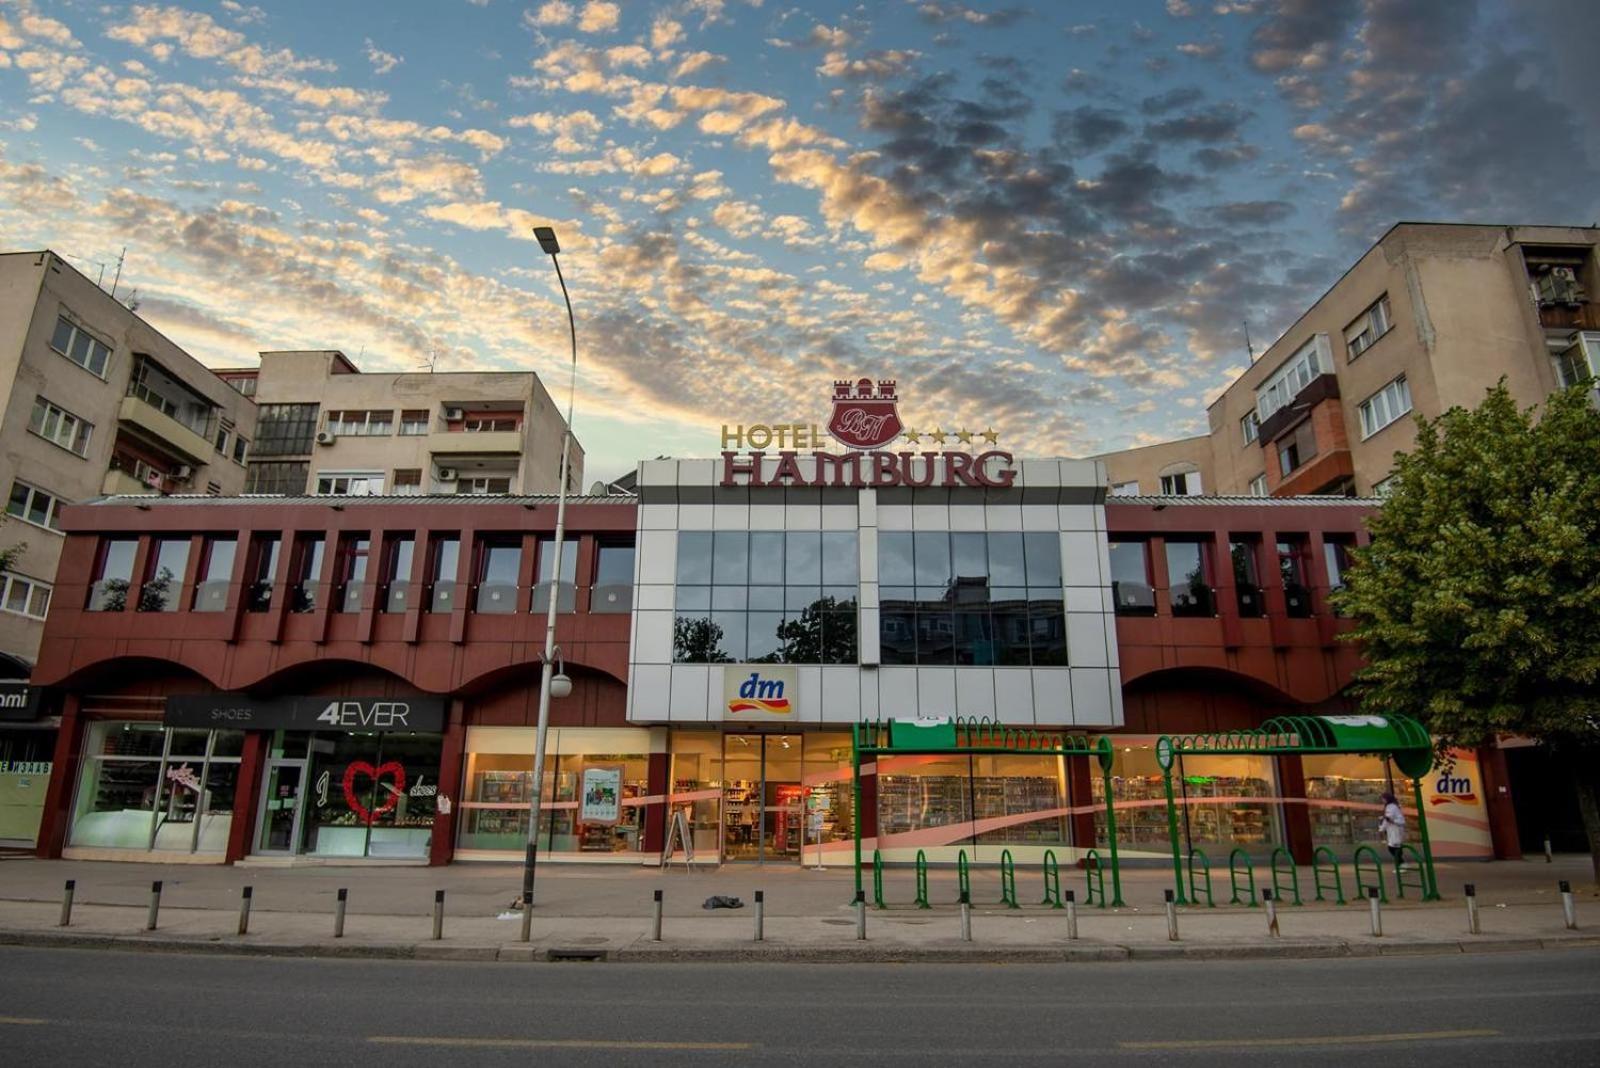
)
(597, 490)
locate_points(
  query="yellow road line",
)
(1309, 1040)
(21, 1021)
(551, 1043)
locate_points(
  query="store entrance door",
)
(763, 800)
(280, 807)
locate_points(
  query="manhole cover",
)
(590, 941)
(840, 923)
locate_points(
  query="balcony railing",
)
(1193, 601)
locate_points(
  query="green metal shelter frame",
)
(1400, 738)
(978, 736)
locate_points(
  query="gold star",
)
(964, 436)
(936, 436)
(912, 436)
(991, 436)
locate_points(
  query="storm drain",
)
(582, 953)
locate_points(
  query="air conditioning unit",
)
(448, 474)
(184, 473)
(326, 437)
(1559, 285)
(454, 415)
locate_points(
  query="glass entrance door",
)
(763, 799)
(784, 810)
(280, 806)
(741, 797)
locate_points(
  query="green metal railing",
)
(1052, 881)
(1377, 874)
(1416, 867)
(1194, 894)
(1008, 880)
(1233, 877)
(1318, 871)
(1277, 875)
(963, 877)
(922, 881)
(1095, 877)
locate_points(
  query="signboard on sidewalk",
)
(600, 794)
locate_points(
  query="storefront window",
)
(830, 790)
(697, 786)
(143, 786)
(1216, 798)
(926, 802)
(370, 794)
(1344, 797)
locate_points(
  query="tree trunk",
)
(1589, 805)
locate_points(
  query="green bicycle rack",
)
(963, 879)
(1233, 877)
(1008, 880)
(877, 879)
(1377, 874)
(1294, 875)
(1318, 871)
(1052, 881)
(1095, 876)
(922, 881)
(1416, 866)
(1194, 893)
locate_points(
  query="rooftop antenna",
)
(118, 278)
(1249, 348)
(432, 360)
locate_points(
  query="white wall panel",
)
(689, 685)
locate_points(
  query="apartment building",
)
(1430, 317)
(96, 402)
(330, 429)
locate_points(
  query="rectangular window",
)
(1131, 590)
(261, 570)
(1181, 484)
(1384, 407)
(613, 579)
(171, 396)
(216, 573)
(24, 596)
(1188, 579)
(567, 599)
(1250, 427)
(442, 570)
(113, 575)
(480, 485)
(286, 430)
(361, 424)
(414, 421)
(1298, 448)
(169, 558)
(499, 562)
(1384, 486)
(350, 575)
(146, 787)
(32, 505)
(240, 448)
(395, 596)
(407, 481)
(306, 573)
(349, 483)
(287, 478)
(224, 430)
(1372, 324)
(1336, 557)
(1292, 570)
(60, 427)
(489, 424)
(1287, 381)
(1258, 485)
(73, 342)
(1245, 553)
(1124, 489)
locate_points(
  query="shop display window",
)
(1216, 798)
(1344, 797)
(697, 786)
(143, 786)
(930, 801)
(830, 788)
(370, 794)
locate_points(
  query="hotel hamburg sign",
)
(866, 422)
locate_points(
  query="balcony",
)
(123, 484)
(139, 414)
(475, 443)
(1585, 316)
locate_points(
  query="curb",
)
(641, 951)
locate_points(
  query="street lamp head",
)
(560, 686)
(546, 236)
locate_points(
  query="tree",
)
(697, 641)
(1478, 602)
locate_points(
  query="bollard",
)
(966, 919)
(1172, 917)
(1377, 916)
(761, 915)
(1072, 914)
(655, 926)
(66, 902)
(527, 916)
(1472, 909)
(438, 915)
(1549, 855)
(861, 915)
(1569, 909)
(1271, 901)
(338, 912)
(155, 906)
(244, 910)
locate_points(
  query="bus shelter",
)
(978, 736)
(1400, 738)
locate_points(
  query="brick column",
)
(442, 844)
(63, 777)
(246, 794)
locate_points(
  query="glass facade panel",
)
(109, 591)
(613, 579)
(498, 564)
(1188, 583)
(1223, 802)
(169, 557)
(369, 794)
(442, 573)
(1131, 590)
(216, 572)
(142, 786)
(568, 599)
(1344, 797)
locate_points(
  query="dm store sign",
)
(758, 692)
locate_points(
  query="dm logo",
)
(864, 419)
(760, 695)
(1448, 788)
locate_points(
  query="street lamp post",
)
(548, 680)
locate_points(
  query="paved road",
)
(83, 1007)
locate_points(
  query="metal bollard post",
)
(861, 915)
(527, 916)
(1569, 908)
(244, 910)
(761, 915)
(655, 927)
(155, 906)
(966, 918)
(66, 902)
(1172, 917)
(1377, 916)
(338, 912)
(1270, 900)
(438, 915)
(1472, 909)
(1072, 914)
(1549, 855)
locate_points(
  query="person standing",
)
(1392, 826)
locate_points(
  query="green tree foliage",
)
(697, 641)
(1478, 602)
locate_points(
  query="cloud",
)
(939, 12)
(550, 13)
(599, 16)
(1252, 212)
(198, 35)
(1088, 129)
(382, 62)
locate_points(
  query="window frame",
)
(1259, 481)
(52, 513)
(414, 422)
(1366, 323)
(1250, 427)
(1121, 489)
(1298, 371)
(367, 478)
(84, 428)
(374, 422)
(1365, 410)
(11, 578)
(75, 329)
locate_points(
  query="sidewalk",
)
(605, 913)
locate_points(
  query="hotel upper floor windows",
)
(1132, 591)
(164, 571)
(1384, 407)
(1287, 381)
(1246, 559)
(613, 579)
(305, 568)
(260, 570)
(1292, 568)
(77, 345)
(971, 598)
(1369, 326)
(767, 597)
(34, 505)
(60, 427)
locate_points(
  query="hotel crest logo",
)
(866, 422)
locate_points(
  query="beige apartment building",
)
(96, 402)
(328, 428)
(1430, 317)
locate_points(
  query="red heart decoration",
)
(361, 767)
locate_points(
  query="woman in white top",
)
(1392, 826)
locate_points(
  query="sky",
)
(1053, 219)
